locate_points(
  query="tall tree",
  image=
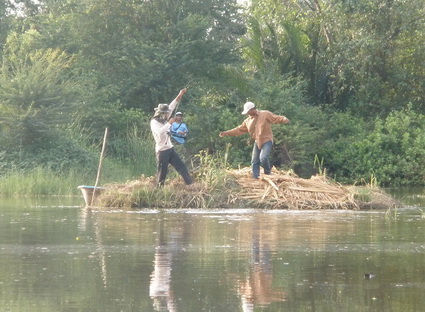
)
(36, 90)
(375, 44)
(361, 56)
(144, 50)
(289, 36)
(6, 9)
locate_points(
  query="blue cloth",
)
(176, 128)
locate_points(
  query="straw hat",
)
(162, 109)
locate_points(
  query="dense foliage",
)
(350, 75)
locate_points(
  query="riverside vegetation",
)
(348, 74)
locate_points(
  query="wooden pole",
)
(99, 169)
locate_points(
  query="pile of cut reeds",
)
(280, 190)
(284, 189)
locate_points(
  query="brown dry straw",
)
(283, 189)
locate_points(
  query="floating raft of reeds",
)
(280, 190)
(284, 189)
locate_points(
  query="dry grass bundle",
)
(286, 190)
(282, 189)
(144, 193)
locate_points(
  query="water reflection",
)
(256, 288)
(160, 285)
(409, 196)
(88, 223)
(69, 258)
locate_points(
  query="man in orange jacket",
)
(258, 125)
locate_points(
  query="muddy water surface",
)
(56, 255)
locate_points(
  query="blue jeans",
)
(260, 156)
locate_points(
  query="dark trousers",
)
(170, 156)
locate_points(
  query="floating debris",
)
(369, 275)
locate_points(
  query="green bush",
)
(393, 151)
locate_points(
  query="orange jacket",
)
(258, 127)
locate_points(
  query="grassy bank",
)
(42, 181)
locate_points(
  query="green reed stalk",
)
(39, 181)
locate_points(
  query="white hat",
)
(247, 107)
(179, 113)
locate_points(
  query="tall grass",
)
(43, 181)
(211, 169)
(39, 181)
(132, 157)
(142, 151)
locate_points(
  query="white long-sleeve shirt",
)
(161, 131)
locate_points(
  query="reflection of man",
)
(257, 287)
(160, 290)
(160, 286)
(179, 129)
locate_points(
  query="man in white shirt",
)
(165, 152)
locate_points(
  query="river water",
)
(57, 255)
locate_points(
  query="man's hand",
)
(171, 120)
(181, 93)
(222, 134)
